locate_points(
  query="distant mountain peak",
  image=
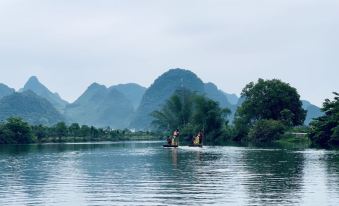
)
(160, 90)
(179, 72)
(33, 82)
(95, 85)
(38, 88)
(33, 78)
(5, 90)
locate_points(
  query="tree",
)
(209, 118)
(5, 135)
(94, 132)
(15, 131)
(192, 113)
(268, 100)
(176, 113)
(324, 130)
(85, 131)
(74, 130)
(39, 131)
(61, 130)
(266, 130)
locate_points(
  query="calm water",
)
(144, 173)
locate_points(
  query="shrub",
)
(266, 131)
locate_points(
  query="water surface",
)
(144, 173)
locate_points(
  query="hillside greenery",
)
(30, 107)
(126, 105)
(33, 84)
(267, 111)
(133, 92)
(101, 107)
(165, 86)
(5, 90)
(324, 131)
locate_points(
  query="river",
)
(145, 173)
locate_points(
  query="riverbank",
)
(294, 140)
(130, 137)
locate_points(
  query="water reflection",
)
(145, 173)
(332, 166)
(321, 177)
(275, 176)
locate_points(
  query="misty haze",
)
(169, 102)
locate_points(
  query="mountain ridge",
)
(5, 90)
(37, 87)
(100, 103)
(29, 106)
(100, 106)
(132, 91)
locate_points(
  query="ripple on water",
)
(147, 174)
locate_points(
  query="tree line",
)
(16, 131)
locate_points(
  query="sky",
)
(70, 44)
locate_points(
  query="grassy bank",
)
(294, 140)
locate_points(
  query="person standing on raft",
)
(175, 137)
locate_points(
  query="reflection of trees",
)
(185, 175)
(332, 174)
(24, 166)
(36, 168)
(275, 176)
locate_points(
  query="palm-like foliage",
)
(191, 113)
(176, 113)
(209, 118)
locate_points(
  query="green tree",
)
(94, 132)
(176, 113)
(5, 135)
(74, 130)
(266, 130)
(85, 131)
(192, 113)
(40, 132)
(209, 118)
(268, 100)
(61, 130)
(325, 129)
(15, 131)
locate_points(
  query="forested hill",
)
(164, 87)
(133, 92)
(30, 107)
(34, 85)
(124, 105)
(312, 111)
(101, 106)
(5, 90)
(214, 93)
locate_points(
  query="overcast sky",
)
(69, 44)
